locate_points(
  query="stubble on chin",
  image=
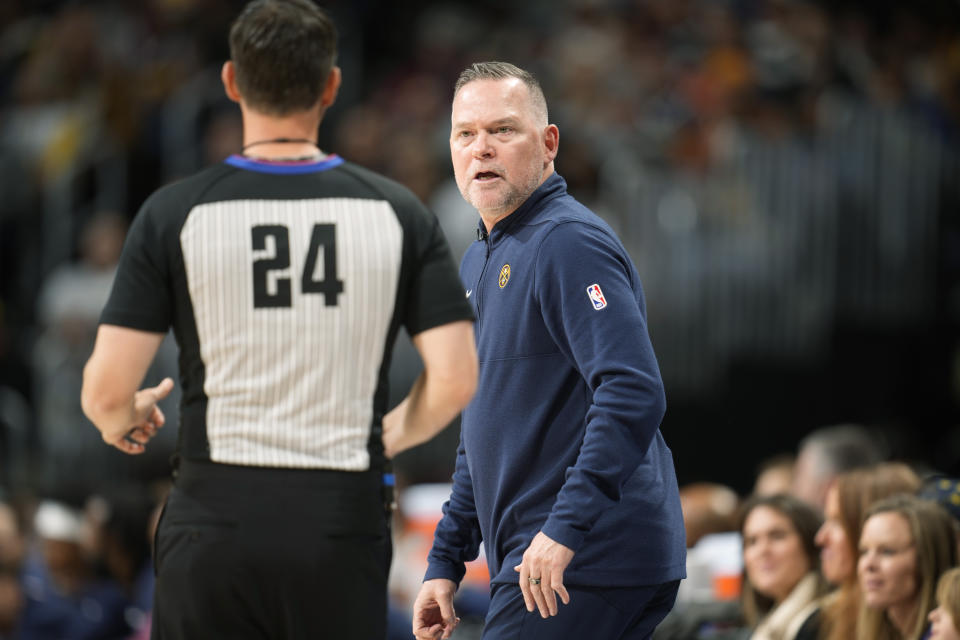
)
(499, 205)
(506, 201)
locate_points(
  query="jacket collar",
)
(552, 187)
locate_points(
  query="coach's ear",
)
(228, 74)
(331, 88)
(551, 144)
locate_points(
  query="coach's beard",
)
(502, 197)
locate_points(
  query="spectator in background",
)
(710, 591)
(64, 598)
(707, 508)
(710, 518)
(118, 524)
(11, 536)
(905, 546)
(774, 475)
(945, 492)
(945, 618)
(848, 499)
(827, 452)
(11, 602)
(782, 568)
(11, 555)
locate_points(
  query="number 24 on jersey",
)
(323, 235)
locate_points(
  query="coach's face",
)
(502, 148)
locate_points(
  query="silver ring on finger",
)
(534, 580)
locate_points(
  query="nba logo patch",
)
(596, 297)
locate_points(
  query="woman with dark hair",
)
(848, 499)
(782, 580)
(905, 546)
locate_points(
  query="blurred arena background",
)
(785, 173)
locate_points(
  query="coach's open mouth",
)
(485, 176)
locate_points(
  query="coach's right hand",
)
(433, 614)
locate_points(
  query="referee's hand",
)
(148, 418)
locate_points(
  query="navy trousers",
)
(616, 613)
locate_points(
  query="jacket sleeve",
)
(609, 345)
(456, 540)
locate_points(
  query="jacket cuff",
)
(564, 534)
(447, 571)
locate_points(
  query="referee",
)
(285, 273)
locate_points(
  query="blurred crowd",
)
(834, 542)
(773, 165)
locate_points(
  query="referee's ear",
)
(228, 74)
(330, 88)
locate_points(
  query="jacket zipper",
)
(479, 286)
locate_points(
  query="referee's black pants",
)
(245, 552)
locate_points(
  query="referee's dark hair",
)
(283, 51)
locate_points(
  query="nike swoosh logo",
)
(469, 291)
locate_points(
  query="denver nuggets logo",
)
(504, 275)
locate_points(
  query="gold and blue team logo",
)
(504, 275)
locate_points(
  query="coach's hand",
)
(433, 614)
(541, 574)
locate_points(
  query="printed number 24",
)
(324, 235)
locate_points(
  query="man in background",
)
(285, 273)
(826, 453)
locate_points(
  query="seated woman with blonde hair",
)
(945, 618)
(781, 568)
(906, 544)
(848, 500)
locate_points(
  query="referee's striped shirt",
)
(285, 285)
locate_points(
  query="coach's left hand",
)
(546, 560)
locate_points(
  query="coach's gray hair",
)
(502, 71)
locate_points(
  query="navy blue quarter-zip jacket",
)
(563, 433)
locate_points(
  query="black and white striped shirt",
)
(285, 285)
